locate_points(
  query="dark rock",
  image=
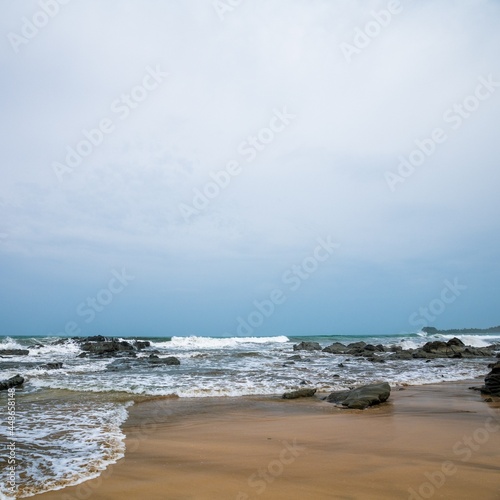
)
(301, 393)
(492, 381)
(95, 338)
(307, 346)
(335, 348)
(52, 366)
(357, 345)
(295, 357)
(14, 352)
(11, 382)
(435, 346)
(341, 365)
(103, 347)
(361, 397)
(402, 355)
(82, 355)
(456, 342)
(375, 359)
(141, 344)
(171, 360)
(336, 376)
(119, 365)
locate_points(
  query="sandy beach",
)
(434, 441)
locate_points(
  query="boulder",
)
(307, 346)
(492, 381)
(11, 382)
(361, 397)
(335, 348)
(14, 352)
(170, 360)
(301, 393)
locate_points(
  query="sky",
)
(248, 168)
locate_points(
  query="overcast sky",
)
(119, 117)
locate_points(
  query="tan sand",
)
(437, 441)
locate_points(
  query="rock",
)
(341, 365)
(103, 347)
(492, 381)
(119, 365)
(335, 348)
(435, 346)
(456, 342)
(171, 360)
(141, 344)
(402, 355)
(52, 366)
(295, 357)
(361, 397)
(301, 393)
(95, 338)
(11, 382)
(307, 346)
(356, 345)
(375, 359)
(14, 352)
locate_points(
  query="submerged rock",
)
(11, 382)
(307, 346)
(52, 366)
(170, 360)
(361, 397)
(14, 352)
(301, 393)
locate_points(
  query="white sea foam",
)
(76, 442)
(218, 343)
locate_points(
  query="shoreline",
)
(266, 447)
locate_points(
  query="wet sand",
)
(435, 441)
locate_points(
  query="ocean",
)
(67, 422)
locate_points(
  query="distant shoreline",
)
(432, 330)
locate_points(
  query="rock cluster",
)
(454, 348)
